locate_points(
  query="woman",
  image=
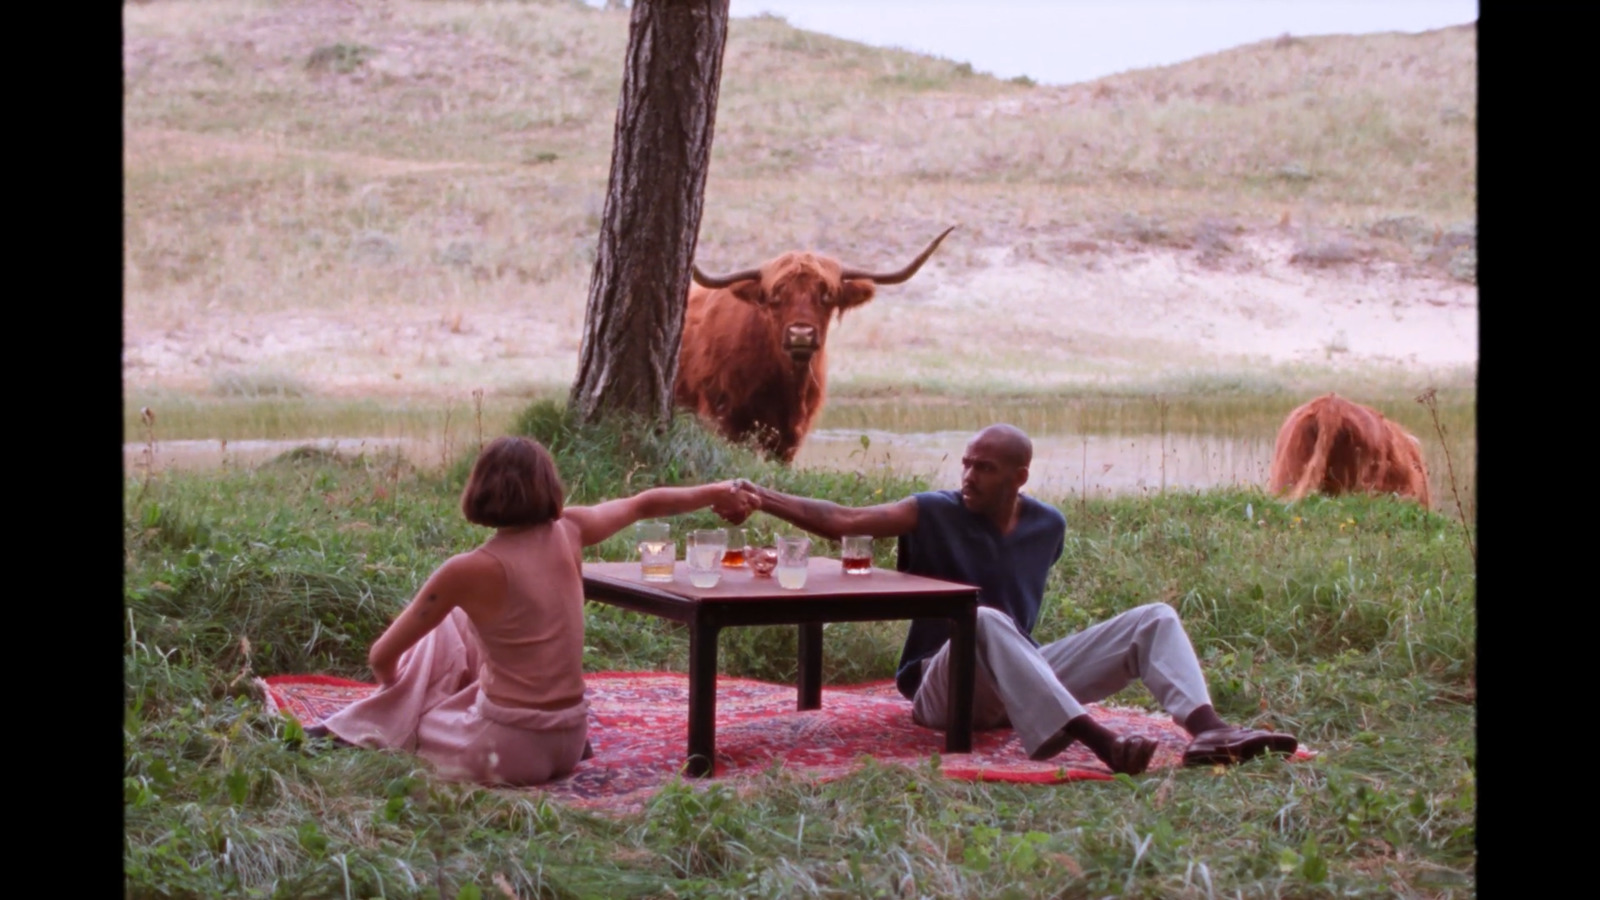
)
(482, 674)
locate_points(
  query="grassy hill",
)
(320, 154)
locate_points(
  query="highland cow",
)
(753, 361)
(1334, 446)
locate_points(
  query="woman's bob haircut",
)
(514, 482)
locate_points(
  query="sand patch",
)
(1114, 315)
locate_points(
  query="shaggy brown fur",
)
(753, 361)
(1334, 446)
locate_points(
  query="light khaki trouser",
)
(1037, 690)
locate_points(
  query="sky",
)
(1068, 41)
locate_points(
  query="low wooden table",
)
(742, 598)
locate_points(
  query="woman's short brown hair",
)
(514, 482)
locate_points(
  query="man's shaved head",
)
(1008, 442)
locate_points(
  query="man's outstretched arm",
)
(830, 520)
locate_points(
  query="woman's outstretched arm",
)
(598, 522)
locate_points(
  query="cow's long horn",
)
(722, 281)
(902, 275)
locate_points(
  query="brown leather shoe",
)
(1234, 744)
(1130, 754)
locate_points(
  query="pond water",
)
(1063, 464)
(1092, 464)
(1081, 448)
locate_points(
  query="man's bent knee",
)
(988, 618)
(1151, 613)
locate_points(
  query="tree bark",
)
(660, 155)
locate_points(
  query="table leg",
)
(702, 699)
(810, 666)
(963, 667)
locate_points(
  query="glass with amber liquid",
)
(657, 551)
(734, 556)
(857, 554)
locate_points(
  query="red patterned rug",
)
(638, 726)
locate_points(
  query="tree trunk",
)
(660, 154)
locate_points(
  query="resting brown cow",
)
(1335, 446)
(753, 360)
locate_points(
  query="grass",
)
(280, 416)
(1350, 622)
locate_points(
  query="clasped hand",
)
(738, 502)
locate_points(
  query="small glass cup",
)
(657, 551)
(763, 560)
(794, 555)
(856, 551)
(738, 550)
(706, 548)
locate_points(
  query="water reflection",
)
(1095, 464)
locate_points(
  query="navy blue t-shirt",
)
(955, 544)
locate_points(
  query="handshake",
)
(736, 500)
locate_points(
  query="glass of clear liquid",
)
(706, 548)
(794, 555)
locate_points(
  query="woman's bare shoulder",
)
(472, 567)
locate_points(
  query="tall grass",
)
(1349, 621)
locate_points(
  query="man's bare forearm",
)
(820, 517)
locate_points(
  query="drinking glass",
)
(706, 548)
(763, 560)
(738, 546)
(857, 554)
(793, 555)
(657, 550)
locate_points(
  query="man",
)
(990, 535)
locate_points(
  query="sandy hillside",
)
(403, 200)
(1074, 312)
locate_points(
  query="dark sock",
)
(1203, 719)
(1093, 735)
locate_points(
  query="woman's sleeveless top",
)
(533, 652)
